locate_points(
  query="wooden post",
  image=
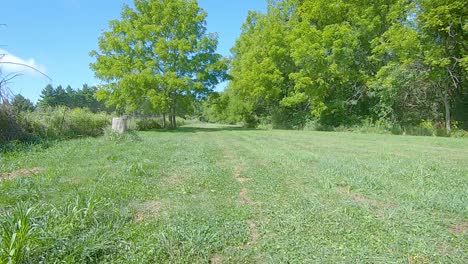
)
(119, 124)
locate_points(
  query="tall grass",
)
(17, 235)
(111, 135)
(65, 123)
(150, 123)
(79, 232)
(10, 128)
(425, 128)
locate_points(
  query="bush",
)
(425, 128)
(151, 123)
(315, 125)
(147, 124)
(63, 123)
(459, 133)
(10, 127)
(179, 121)
(250, 121)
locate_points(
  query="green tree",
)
(61, 96)
(425, 52)
(86, 97)
(262, 66)
(308, 59)
(71, 99)
(342, 62)
(22, 104)
(158, 55)
(47, 97)
(332, 46)
(443, 25)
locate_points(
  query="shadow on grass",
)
(24, 146)
(190, 129)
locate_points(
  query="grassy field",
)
(226, 195)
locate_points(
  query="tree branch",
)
(9, 78)
(27, 66)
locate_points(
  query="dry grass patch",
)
(253, 232)
(459, 228)
(216, 259)
(149, 209)
(174, 180)
(243, 180)
(445, 249)
(244, 198)
(418, 260)
(20, 173)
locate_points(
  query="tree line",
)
(342, 62)
(59, 96)
(332, 62)
(84, 97)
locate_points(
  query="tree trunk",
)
(164, 120)
(172, 110)
(171, 125)
(448, 121)
(174, 117)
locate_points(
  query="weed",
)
(111, 135)
(17, 236)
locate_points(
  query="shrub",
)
(459, 133)
(179, 121)
(10, 126)
(148, 124)
(425, 128)
(250, 121)
(151, 123)
(63, 123)
(83, 122)
(315, 125)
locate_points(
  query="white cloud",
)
(13, 65)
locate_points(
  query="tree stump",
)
(119, 124)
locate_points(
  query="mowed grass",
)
(226, 195)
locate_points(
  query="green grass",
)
(228, 195)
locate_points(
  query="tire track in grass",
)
(237, 173)
(243, 194)
(243, 198)
(254, 235)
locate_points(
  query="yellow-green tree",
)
(158, 56)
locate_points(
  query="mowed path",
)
(222, 194)
(336, 197)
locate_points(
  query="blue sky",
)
(56, 36)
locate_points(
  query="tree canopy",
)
(158, 58)
(22, 104)
(345, 62)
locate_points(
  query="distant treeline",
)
(58, 96)
(68, 97)
(338, 63)
(72, 98)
